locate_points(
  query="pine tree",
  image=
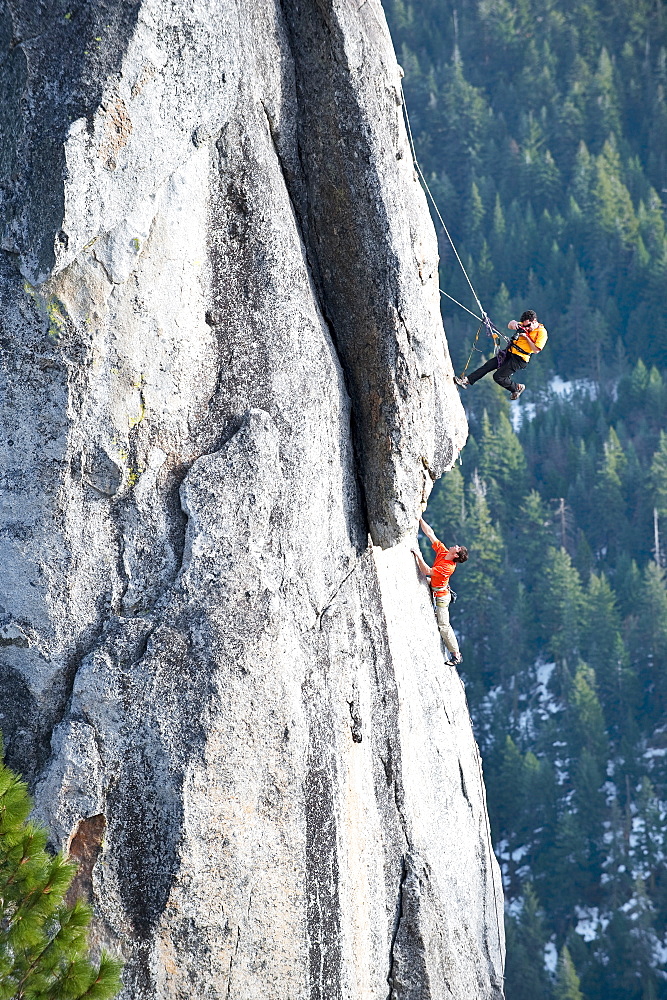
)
(502, 467)
(658, 475)
(446, 511)
(587, 725)
(604, 650)
(525, 975)
(650, 834)
(559, 599)
(610, 521)
(577, 319)
(603, 114)
(567, 980)
(506, 796)
(649, 650)
(536, 536)
(481, 581)
(43, 941)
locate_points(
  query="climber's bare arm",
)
(422, 565)
(428, 530)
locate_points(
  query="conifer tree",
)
(577, 319)
(482, 579)
(560, 599)
(503, 467)
(536, 535)
(43, 941)
(525, 975)
(590, 805)
(649, 650)
(604, 650)
(608, 499)
(446, 507)
(603, 100)
(650, 837)
(567, 980)
(658, 475)
(506, 793)
(587, 728)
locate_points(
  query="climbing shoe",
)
(463, 381)
(455, 659)
(517, 392)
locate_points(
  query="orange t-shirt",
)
(442, 567)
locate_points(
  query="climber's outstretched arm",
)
(428, 530)
(423, 566)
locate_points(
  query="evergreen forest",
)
(541, 128)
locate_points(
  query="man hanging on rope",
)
(530, 338)
(438, 575)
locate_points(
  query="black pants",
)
(503, 375)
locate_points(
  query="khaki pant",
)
(442, 602)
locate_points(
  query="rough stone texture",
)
(222, 369)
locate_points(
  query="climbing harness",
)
(484, 320)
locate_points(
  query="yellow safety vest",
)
(521, 344)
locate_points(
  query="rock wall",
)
(226, 392)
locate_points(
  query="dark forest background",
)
(542, 130)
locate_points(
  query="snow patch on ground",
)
(660, 952)
(513, 907)
(522, 411)
(590, 923)
(573, 387)
(550, 957)
(543, 672)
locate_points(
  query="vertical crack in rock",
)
(410, 956)
(352, 229)
(232, 959)
(294, 179)
(397, 924)
(322, 900)
(418, 953)
(464, 789)
(356, 721)
(338, 232)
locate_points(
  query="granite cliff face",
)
(223, 369)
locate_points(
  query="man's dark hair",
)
(529, 316)
(462, 554)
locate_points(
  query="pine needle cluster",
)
(43, 941)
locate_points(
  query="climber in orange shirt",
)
(446, 561)
(530, 338)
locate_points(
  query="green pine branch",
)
(43, 941)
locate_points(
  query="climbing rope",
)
(484, 320)
(435, 206)
(473, 349)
